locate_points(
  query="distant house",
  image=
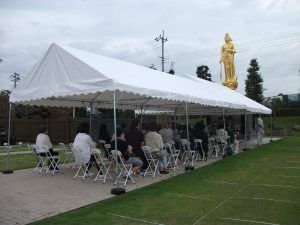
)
(293, 99)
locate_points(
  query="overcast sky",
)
(268, 30)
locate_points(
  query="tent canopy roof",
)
(69, 77)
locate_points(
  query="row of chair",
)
(112, 162)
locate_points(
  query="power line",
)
(240, 48)
(268, 40)
(135, 50)
(204, 53)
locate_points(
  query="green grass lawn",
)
(284, 122)
(22, 161)
(15, 148)
(261, 185)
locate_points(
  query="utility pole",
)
(163, 40)
(15, 77)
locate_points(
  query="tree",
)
(254, 82)
(171, 71)
(203, 72)
(276, 105)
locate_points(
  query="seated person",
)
(167, 134)
(123, 127)
(230, 133)
(43, 139)
(135, 138)
(200, 133)
(126, 151)
(84, 142)
(154, 141)
(103, 134)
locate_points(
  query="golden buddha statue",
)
(227, 57)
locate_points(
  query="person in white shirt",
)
(154, 141)
(84, 142)
(167, 134)
(43, 140)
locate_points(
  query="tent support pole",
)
(74, 115)
(187, 121)
(117, 190)
(271, 127)
(223, 114)
(246, 147)
(190, 166)
(224, 138)
(9, 125)
(115, 121)
(8, 171)
(91, 105)
(175, 120)
(141, 122)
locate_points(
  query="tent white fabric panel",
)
(71, 77)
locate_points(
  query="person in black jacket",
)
(200, 133)
(103, 134)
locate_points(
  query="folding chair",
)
(104, 166)
(102, 143)
(215, 147)
(107, 149)
(173, 155)
(42, 160)
(67, 152)
(54, 162)
(53, 159)
(152, 160)
(187, 153)
(124, 170)
(210, 146)
(198, 148)
(81, 163)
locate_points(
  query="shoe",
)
(125, 174)
(163, 172)
(139, 174)
(88, 173)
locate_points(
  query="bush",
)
(289, 111)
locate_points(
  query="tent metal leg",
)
(190, 166)
(271, 128)
(117, 190)
(7, 170)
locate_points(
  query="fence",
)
(59, 129)
(25, 130)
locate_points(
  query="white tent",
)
(70, 77)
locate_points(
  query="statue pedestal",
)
(232, 85)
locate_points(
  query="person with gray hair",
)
(167, 133)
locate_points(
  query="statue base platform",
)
(232, 85)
